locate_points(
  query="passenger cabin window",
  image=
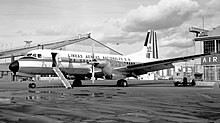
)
(34, 55)
(39, 55)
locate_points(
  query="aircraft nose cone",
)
(14, 66)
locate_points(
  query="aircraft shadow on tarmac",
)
(157, 84)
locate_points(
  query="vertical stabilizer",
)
(149, 50)
(150, 45)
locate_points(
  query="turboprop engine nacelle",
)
(114, 76)
(110, 73)
(107, 69)
(102, 64)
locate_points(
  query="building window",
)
(209, 73)
(34, 55)
(218, 72)
(39, 55)
(209, 46)
(1, 74)
(218, 46)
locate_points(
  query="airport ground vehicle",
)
(184, 79)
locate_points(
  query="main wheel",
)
(122, 83)
(77, 83)
(119, 83)
(32, 85)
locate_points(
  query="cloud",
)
(172, 52)
(178, 37)
(107, 31)
(125, 37)
(211, 10)
(23, 33)
(205, 13)
(211, 14)
(164, 15)
(51, 31)
(214, 4)
(170, 19)
(177, 43)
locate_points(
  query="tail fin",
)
(150, 45)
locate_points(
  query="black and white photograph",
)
(109, 61)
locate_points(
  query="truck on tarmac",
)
(184, 79)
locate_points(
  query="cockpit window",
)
(39, 55)
(34, 55)
(29, 54)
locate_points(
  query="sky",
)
(120, 24)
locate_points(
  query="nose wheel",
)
(32, 85)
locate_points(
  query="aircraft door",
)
(54, 60)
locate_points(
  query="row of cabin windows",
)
(74, 60)
(47, 75)
(115, 63)
(81, 60)
(35, 55)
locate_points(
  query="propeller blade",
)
(93, 60)
(93, 73)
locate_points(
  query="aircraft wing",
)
(10, 55)
(143, 68)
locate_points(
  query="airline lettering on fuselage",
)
(90, 56)
(98, 57)
(76, 55)
(116, 58)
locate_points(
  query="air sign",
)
(208, 60)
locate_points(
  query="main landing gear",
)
(122, 83)
(76, 83)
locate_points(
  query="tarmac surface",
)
(103, 102)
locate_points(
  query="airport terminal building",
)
(210, 65)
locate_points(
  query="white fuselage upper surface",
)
(69, 61)
(64, 55)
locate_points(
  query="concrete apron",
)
(205, 83)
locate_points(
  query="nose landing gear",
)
(32, 85)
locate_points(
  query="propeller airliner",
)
(80, 64)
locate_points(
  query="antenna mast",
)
(203, 23)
